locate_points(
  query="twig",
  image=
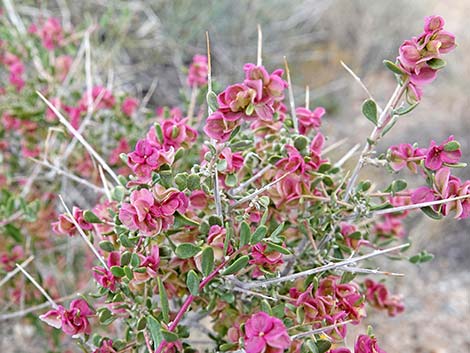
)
(320, 330)
(105, 183)
(370, 271)
(12, 273)
(21, 313)
(375, 135)
(80, 138)
(291, 98)
(347, 156)
(259, 191)
(327, 267)
(307, 97)
(357, 78)
(418, 205)
(83, 235)
(259, 58)
(250, 181)
(38, 286)
(69, 175)
(217, 200)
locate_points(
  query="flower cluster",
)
(420, 57)
(73, 321)
(434, 163)
(378, 296)
(197, 73)
(150, 212)
(259, 97)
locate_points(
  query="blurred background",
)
(147, 43)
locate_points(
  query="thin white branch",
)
(80, 138)
(259, 57)
(83, 235)
(69, 175)
(320, 330)
(11, 274)
(327, 267)
(348, 155)
(419, 205)
(291, 98)
(255, 177)
(259, 191)
(38, 286)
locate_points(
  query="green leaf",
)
(276, 247)
(369, 109)
(436, 63)
(207, 261)
(159, 133)
(90, 217)
(429, 211)
(155, 331)
(192, 281)
(398, 185)
(259, 234)
(106, 246)
(169, 336)
(451, 146)
(163, 300)
(277, 231)
(237, 265)
(323, 346)
(194, 182)
(117, 271)
(393, 67)
(212, 101)
(405, 110)
(135, 260)
(182, 221)
(186, 250)
(181, 180)
(231, 180)
(245, 234)
(118, 193)
(300, 142)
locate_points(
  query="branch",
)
(328, 267)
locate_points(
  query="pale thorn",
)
(38, 286)
(291, 98)
(80, 138)
(83, 235)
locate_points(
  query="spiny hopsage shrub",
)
(47, 58)
(255, 228)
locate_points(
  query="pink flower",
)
(51, 33)
(64, 226)
(197, 74)
(105, 347)
(309, 120)
(339, 350)
(198, 199)
(218, 128)
(264, 259)
(176, 133)
(62, 66)
(234, 160)
(13, 256)
(366, 344)
(73, 321)
(122, 147)
(377, 295)
(405, 155)
(129, 106)
(141, 213)
(448, 152)
(101, 98)
(234, 101)
(216, 240)
(264, 333)
(103, 276)
(147, 158)
(150, 264)
(315, 151)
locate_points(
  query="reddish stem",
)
(189, 300)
